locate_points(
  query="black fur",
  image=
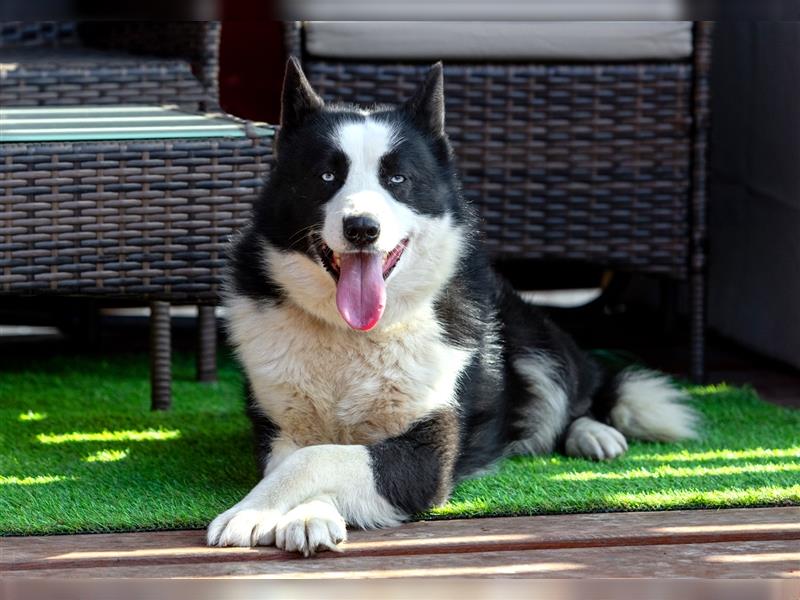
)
(264, 429)
(414, 470)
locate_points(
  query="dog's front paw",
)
(241, 526)
(311, 527)
(591, 439)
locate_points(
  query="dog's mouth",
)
(332, 261)
(360, 282)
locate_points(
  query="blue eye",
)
(327, 176)
(397, 179)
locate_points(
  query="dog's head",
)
(363, 217)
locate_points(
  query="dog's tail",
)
(647, 406)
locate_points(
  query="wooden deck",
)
(747, 543)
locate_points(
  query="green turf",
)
(81, 451)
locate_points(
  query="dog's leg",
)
(370, 486)
(343, 473)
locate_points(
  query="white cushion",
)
(482, 41)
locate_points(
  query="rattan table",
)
(127, 202)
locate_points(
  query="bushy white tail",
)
(650, 407)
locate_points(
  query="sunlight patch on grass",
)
(107, 456)
(729, 497)
(36, 480)
(667, 471)
(685, 455)
(148, 435)
(32, 416)
(710, 390)
(461, 507)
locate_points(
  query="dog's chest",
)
(327, 385)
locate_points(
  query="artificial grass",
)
(80, 451)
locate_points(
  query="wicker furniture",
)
(127, 202)
(57, 63)
(106, 63)
(596, 163)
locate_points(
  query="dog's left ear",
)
(426, 107)
(298, 100)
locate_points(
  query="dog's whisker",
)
(298, 235)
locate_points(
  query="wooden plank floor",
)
(740, 543)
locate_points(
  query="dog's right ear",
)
(426, 107)
(299, 100)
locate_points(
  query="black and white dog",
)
(386, 360)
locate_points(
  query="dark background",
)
(252, 59)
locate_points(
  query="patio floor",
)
(733, 543)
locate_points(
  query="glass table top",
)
(86, 123)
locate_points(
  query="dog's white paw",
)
(591, 439)
(242, 526)
(311, 527)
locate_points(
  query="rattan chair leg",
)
(697, 258)
(206, 343)
(697, 329)
(160, 356)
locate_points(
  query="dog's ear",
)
(426, 107)
(299, 100)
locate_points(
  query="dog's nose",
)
(361, 231)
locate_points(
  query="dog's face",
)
(366, 208)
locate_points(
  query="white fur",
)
(310, 527)
(364, 144)
(339, 475)
(324, 384)
(282, 448)
(649, 407)
(546, 415)
(591, 439)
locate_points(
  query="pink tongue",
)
(361, 292)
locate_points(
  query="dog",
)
(385, 359)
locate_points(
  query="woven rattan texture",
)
(37, 33)
(702, 118)
(114, 63)
(194, 41)
(45, 78)
(130, 219)
(571, 162)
